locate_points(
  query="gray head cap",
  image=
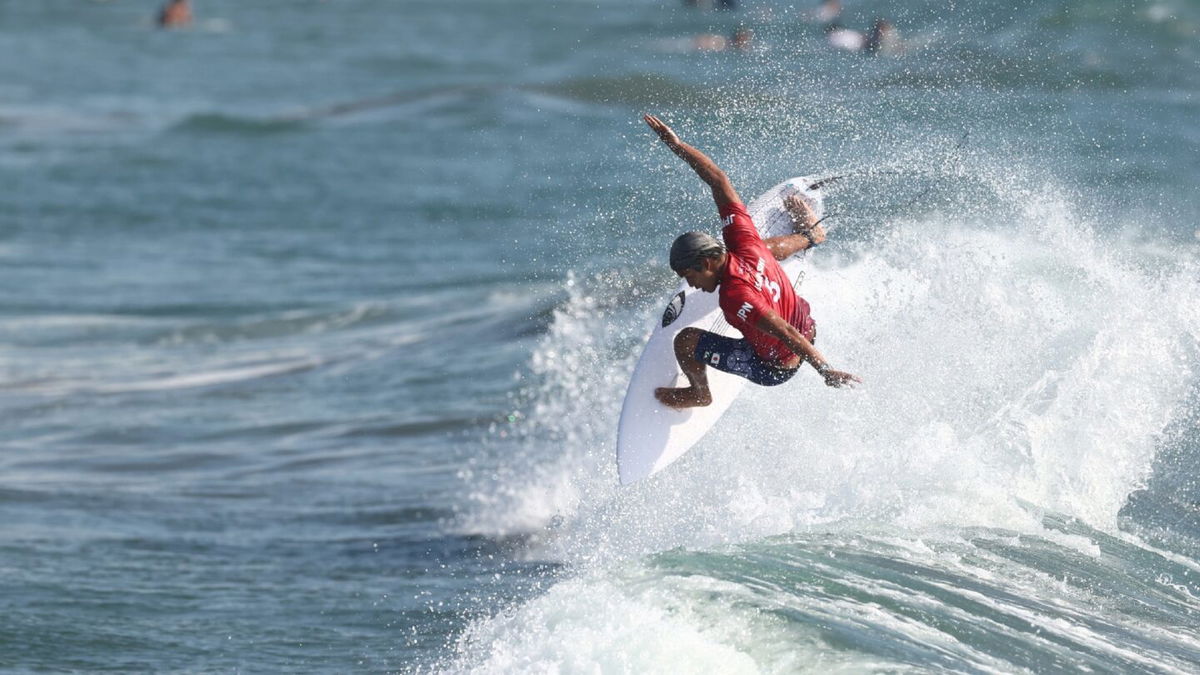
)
(690, 247)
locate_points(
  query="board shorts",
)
(736, 357)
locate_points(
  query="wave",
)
(46, 120)
(174, 325)
(281, 324)
(428, 96)
(633, 90)
(980, 600)
(1166, 510)
(227, 123)
(167, 381)
(1019, 373)
(932, 311)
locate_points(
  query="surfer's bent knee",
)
(686, 339)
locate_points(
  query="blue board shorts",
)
(736, 357)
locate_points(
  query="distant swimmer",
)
(755, 294)
(741, 40)
(175, 13)
(840, 37)
(827, 11)
(883, 38)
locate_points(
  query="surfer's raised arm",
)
(709, 172)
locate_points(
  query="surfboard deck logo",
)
(674, 309)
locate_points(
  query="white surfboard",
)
(650, 435)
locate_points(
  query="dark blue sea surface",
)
(316, 318)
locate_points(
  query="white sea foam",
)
(670, 626)
(217, 375)
(1007, 373)
(1034, 365)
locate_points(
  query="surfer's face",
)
(704, 278)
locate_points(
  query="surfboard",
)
(651, 435)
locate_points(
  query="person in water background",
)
(741, 40)
(882, 38)
(175, 13)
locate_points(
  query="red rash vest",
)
(755, 283)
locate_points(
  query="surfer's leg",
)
(696, 393)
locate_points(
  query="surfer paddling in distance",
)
(754, 293)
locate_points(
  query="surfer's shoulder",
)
(738, 273)
(732, 207)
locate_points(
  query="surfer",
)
(755, 295)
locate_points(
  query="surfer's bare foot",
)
(684, 397)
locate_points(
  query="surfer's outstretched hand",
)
(838, 378)
(664, 132)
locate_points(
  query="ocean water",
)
(316, 318)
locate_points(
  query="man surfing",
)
(755, 294)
